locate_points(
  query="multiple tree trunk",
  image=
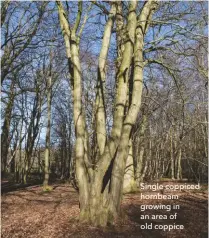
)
(101, 185)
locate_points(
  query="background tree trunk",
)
(47, 148)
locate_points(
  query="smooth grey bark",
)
(99, 202)
(140, 151)
(129, 184)
(100, 95)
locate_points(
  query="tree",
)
(48, 130)
(16, 39)
(100, 199)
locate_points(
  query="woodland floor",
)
(31, 213)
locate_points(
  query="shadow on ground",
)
(32, 213)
